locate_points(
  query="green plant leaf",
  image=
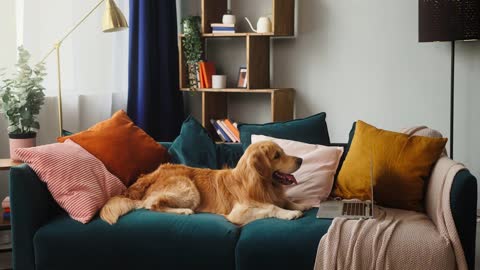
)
(22, 95)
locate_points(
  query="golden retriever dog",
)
(252, 190)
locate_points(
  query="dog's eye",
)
(277, 155)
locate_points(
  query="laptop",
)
(350, 209)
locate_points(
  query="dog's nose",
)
(299, 161)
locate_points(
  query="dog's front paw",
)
(289, 215)
(183, 211)
(304, 207)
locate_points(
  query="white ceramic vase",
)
(229, 19)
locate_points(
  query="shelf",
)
(238, 90)
(226, 35)
(283, 12)
(257, 61)
(215, 104)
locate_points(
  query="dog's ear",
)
(260, 163)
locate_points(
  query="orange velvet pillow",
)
(125, 149)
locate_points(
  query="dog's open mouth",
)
(284, 178)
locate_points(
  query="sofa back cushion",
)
(312, 130)
(77, 180)
(194, 147)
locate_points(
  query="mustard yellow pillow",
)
(401, 166)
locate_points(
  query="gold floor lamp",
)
(113, 21)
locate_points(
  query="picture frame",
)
(242, 77)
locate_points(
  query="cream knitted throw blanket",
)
(400, 239)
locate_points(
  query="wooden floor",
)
(5, 257)
(5, 261)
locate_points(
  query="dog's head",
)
(270, 162)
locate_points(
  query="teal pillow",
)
(228, 154)
(194, 147)
(312, 129)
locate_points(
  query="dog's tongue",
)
(286, 179)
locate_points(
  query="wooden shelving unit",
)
(257, 47)
(257, 60)
(282, 15)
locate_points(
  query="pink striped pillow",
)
(78, 181)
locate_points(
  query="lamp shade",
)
(113, 18)
(448, 20)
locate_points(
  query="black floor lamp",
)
(449, 20)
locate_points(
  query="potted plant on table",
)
(21, 97)
(192, 48)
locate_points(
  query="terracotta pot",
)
(21, 141)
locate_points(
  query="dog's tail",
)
(116, 207)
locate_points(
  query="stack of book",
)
(222, 28)
(226, 130)
(6, 208)
(205, 72)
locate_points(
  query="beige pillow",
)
(315, 176)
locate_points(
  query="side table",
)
(5, 165)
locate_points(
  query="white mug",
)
(219, 81)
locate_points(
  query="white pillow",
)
(315, 176)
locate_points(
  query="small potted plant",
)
(21, 97)
(192, 48)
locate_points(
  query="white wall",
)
(362, 61)
(7, 60)
(94, 64)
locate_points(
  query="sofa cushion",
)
(228, 154)
(61, 166)
(312, 129)
(315, 176)
(194, 147)
(281, 244)
(396, 163)
(125, 149)
(140, 240)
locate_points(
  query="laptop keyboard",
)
(354, 209)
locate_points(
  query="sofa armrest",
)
(463, 204)
(32, 206)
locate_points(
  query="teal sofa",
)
(45, 238)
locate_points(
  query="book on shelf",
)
(207, 69)
(232, 128)
(202, 72)
(222, 25)
(223, 28)
(219, 131)
(227, 131)
(223, 31)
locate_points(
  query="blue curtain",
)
(154, 101)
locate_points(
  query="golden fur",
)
(242, 194)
